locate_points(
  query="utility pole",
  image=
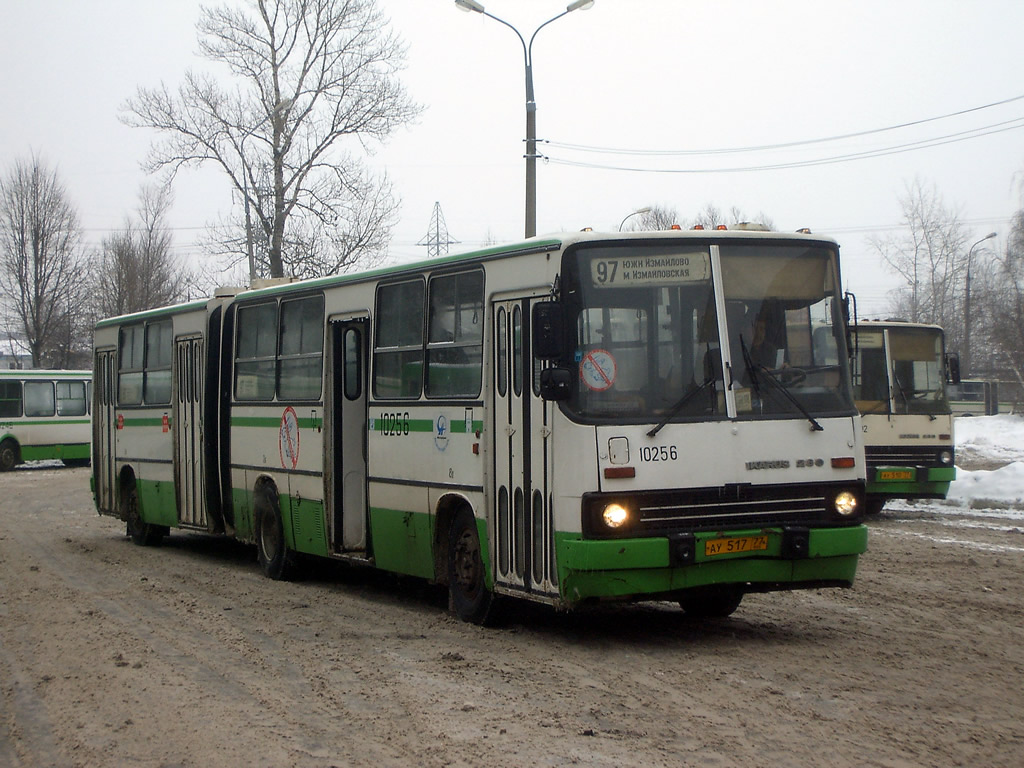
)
(437, 239)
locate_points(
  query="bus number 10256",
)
(658, 453)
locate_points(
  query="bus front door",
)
(187, 426)
(522, 555)
(346, 459)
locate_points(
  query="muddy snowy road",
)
(113, 654)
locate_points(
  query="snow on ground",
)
(995, 439)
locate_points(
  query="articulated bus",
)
(899, 375)
(568, 419)
(44, 415)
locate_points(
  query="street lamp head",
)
(990, 235)
(578, 5)
(469, 5)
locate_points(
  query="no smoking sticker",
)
(598, 370)
(288, 439)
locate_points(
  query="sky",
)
(682, 79)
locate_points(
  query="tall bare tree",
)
(41, 263)
(929, 254)
(136, 268)
(1000, 344)
(311, 79)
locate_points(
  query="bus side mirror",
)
(556, 383)
(952, 368)
(548, 323)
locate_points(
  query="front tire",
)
(276, 560)
(8, 455)
(711, 602)
(142, 533)
(467, 587)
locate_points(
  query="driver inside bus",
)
(763, 350)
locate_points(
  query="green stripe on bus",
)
(49, 422)
(420, 425)
(273, 422)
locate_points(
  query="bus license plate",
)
(896, 474)
(734, 544)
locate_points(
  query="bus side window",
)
(157, 386)
(39, 398)
(255, 360)
(71, 398)
(300, 365)
(10, 399)
(129, 369)
(398, 353)
(455, 337)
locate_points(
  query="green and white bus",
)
(567, 419)
(44, 415)
(900, 373)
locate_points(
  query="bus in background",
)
(44, 415)
(900, 371)
(567, 419)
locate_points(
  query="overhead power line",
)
(937, 141)
(783, 145)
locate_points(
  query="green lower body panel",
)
(403, 541)
(910, 482)
(639, 568)
(42, 452)
(157, 502)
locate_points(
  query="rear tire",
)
(467, 586)
(276, 560)
(144, 534)
(8, 455)
(873, 506)
(711, 602)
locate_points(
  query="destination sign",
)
(655, 270)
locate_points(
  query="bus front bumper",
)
(762, 560)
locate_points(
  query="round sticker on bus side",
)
(288, 439)
(598, 370)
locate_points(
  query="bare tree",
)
(136, 269)
(930, 256)
(1000, 300)
(310, 76)
(41, 263)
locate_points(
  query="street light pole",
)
(531, 104)
(637, 212)
(967, 303)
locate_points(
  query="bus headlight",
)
(845, 504)
(615, 516)
(945, 458)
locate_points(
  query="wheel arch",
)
(126, 480)
(444, 513)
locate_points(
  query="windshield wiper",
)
(675, 409)
(755, 371)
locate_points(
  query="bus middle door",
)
(345, 462)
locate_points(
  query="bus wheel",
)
(469, 594)
(873, 506)
(272, 550)
(144, 534)
(711, 602)
(8, 455)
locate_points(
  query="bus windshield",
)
(914, 375)
(662, 332)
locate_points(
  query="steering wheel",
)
(789, 376)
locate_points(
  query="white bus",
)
(899, 381)
(44, 415)
(567, 419)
